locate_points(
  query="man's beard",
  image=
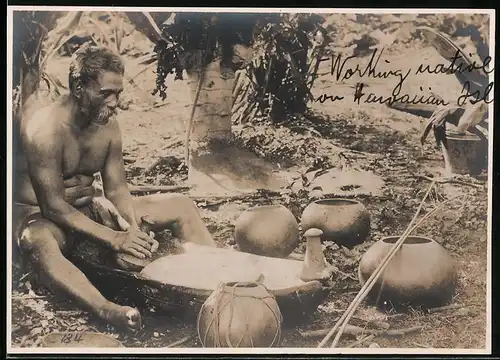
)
(104, 116)
(96, 113)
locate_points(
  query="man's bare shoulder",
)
(114, 130)
(43, 126)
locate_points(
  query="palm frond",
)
(477, 78)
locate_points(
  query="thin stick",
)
(191, 117)
(356, 330)
(32, 297)
(146, 59)
(152, 22)
(140, 72)
(371, 281)
(373, 277)
(250, 196)
(184, 340)
(25, 276)
(350, 329)
(268, 76)
(421, 345)
(381, 268)
(138, 189)
(401, 332)
(447, 180)
(359, 342)
(195, 102)
(445, 308)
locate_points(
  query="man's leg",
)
(43, 242)
(176, 212)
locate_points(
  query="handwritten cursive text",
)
(475, 95)
(371, 98)
(342, 71)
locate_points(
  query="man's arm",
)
(114, 180)
(44, 153)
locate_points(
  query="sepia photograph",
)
(223, 180)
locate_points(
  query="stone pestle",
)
(315, 266)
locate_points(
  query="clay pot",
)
(240, 315)
(422, 273)
(464, 153)
(343, 221)
(82, 339)
(269, 230)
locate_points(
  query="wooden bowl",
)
(130, 262)
(79, 339)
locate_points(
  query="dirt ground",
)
(373, 138)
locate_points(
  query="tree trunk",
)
(212, 119)
(216, 165)
(211, 129)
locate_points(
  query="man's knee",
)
(40, 234)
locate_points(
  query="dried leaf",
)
(439, 119)
(36, 331)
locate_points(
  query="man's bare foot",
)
(123, 317)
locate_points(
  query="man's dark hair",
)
(90, 62)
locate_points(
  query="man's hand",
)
(154, 243)
(134, 242)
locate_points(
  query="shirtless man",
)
(60, 148)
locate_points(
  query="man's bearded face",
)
(100, 98)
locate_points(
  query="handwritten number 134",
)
(71, 337)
